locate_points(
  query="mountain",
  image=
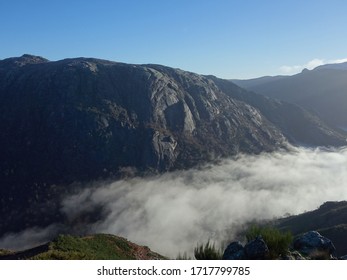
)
(92, 247)
(84, 119)
(322, 90)
(299, 126)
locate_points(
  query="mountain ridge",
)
(322, 90)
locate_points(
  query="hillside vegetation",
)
(93, 247)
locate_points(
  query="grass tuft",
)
(207, 252)
(278, 242)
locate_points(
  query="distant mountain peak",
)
(32, 59)
(26, 55)
(321, 90)
(23, 60)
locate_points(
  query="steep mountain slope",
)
(322, 90)
(298, 125)
(79, 120)
(132, 115)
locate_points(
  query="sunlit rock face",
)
(96, 115)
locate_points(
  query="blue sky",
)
(226, 38)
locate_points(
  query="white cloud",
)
(28, 238)
(342, 60)
(314, 63)
(170, 213)
(294, 69)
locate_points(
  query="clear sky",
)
(226, 38)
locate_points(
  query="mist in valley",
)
(173, 212)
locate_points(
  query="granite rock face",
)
(109, 115)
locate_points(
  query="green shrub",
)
(99, 247)
(207, 252)
(278, 242)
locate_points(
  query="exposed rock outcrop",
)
(256, 249)
(314, 245)
(234, 251)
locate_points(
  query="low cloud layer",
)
(171, 213)
(294, 69)
(29, 238)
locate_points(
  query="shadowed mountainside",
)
(322, 90)
(330, 220)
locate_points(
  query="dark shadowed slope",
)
(330, 220)
(299, 126)
(322, 90)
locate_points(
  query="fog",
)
(171, 213)
(29, 238)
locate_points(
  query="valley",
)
(134, 145)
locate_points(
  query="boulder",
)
(256, 249)
(234, 251)
(314, 245)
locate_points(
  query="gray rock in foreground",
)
(314, 245)
(256, 249)
(234, 251)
